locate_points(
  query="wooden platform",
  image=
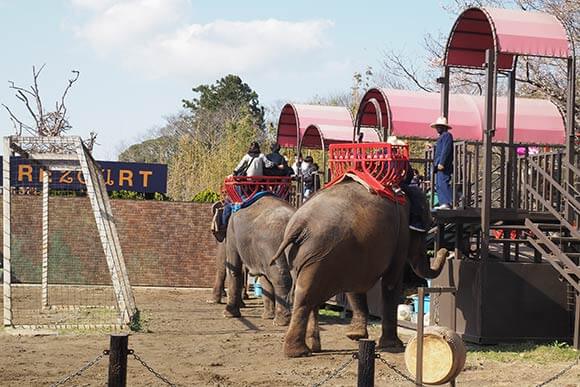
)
(473, 215)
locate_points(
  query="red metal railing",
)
(386, 164)
(241, 188)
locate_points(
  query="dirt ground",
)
(192, 344)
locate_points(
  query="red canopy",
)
(509, 32)
(409, 114)
(295, 118)
(321, 136)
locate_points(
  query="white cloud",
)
(152, 36)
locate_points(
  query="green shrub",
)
(206, 196)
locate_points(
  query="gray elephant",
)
(343, 240)
(253, 235)
(218, 290)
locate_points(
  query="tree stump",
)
(443, 355)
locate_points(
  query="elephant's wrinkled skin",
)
(253, 235)
(343, 240)
(220, 276)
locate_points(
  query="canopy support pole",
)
(444, 81)
(489, 125)
(511, 161)
(570, 129)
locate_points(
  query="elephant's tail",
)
(289, 238)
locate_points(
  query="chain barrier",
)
(559, 374)
(337, 371)
(394, 368)
(81, 370)
(148, 367)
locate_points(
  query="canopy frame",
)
(495, 60)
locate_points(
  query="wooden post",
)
(366, 363)
(444, 81)
(6, 275)
(511, 162)
(118, 360)
(577, 323)
(490, 99)
(420, 323)
(570, 131)
(45, 179)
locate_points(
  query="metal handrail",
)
(556, 185)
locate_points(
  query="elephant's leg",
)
(282, 287)
(268, 298)
(245, 295)
(313, 332)
(360, 312)
(220, 278)
(295, 340)
(389, 340)
(235, 283)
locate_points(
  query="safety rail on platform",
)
(242, 188)
(385, 163)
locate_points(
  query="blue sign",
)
(136, 177)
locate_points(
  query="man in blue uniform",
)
(443, 163)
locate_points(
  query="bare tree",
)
(45, 122)
(537, 77)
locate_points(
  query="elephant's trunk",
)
(423, 268)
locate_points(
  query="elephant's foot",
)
(245, 296)
(267, 315)
(393, 345)
(214, 300)
(232, 311)
(281, 320)
(243, 304)
(296, 350)
(314, 344)
(357, 332)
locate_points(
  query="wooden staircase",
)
(561, 247)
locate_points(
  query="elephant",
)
(253, 234)
(344, 239)
(218, 289)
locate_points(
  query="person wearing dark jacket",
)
(443, 163)
(276, 164)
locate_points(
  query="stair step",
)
(508, 240)
(563, 239)
(550, 226)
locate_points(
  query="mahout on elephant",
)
(344, 239)
(252, 236)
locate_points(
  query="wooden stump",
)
(443, 355)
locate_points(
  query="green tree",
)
(230, 91)
(154, 150)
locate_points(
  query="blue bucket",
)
(257, 289)
(426, 304)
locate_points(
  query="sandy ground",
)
(190, 343)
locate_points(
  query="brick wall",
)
(164, 243)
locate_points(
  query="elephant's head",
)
(417, 250)
(217, 228)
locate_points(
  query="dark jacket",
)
(444, 152)
(276, 159)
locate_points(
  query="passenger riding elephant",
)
(253, 235)
(343, 240)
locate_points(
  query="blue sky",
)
(139, 58)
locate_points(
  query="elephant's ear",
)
(217, 228)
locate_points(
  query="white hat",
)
(441, 121)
